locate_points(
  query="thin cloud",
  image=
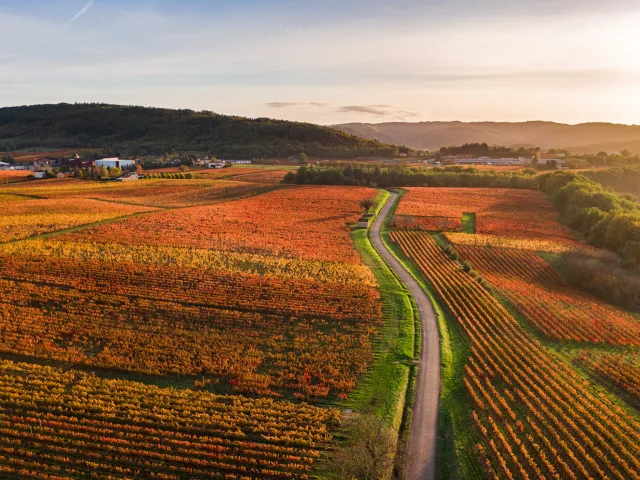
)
(81, 12)
(377, 110)
(380, 110)
(295, 104)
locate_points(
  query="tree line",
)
(143, 130)
(604, 217)
(404, 176)
(621, 179)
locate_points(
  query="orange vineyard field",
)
(29, 216)
(534, 416)
(59, 424)
(554, 307)
(163, 193)
(285, 223)
(247, 296)
(521, 214)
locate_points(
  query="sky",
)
(330, 61)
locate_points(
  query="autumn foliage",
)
(58, 424)
(296, 222)
(548, 301)
(252, 300)
(535, 417)
(519, 214)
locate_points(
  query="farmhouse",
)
(239, 161)
(218, 164)
(115, 162)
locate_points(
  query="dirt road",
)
(421, 463)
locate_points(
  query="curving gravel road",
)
(421, 463)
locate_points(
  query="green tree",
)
(370, 452)
(302, 158)
(115, 172)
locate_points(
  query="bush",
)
(604, 275)
(450, 252)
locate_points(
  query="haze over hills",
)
(581, 138)
(159, 130)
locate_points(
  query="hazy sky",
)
(330, 61)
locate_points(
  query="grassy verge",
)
(456, 435)
(468, 222)
(383, 389)
(389, 382)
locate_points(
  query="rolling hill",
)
(159, 130)
(581, 138)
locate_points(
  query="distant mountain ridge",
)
(580, 138)
(159, 130)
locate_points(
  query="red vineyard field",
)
(296, 222)
(535, 417)
(522, 214)
(553, 306)
(57, 424)
(305, 298)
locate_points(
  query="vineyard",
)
(29, 217)
(287, 223)
(248, 297)
(534, 416)
(534, 404)
(621, 370)
(514, 214)
(160, 193)
(58, 424)
(557, 309)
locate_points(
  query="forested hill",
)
(159, 130)
(589, 138)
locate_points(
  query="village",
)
(119, 169)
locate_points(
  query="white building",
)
(40, 174)
(127, 177)
(239, 161)
(12, 166)
(218, 164)
(115, 162)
